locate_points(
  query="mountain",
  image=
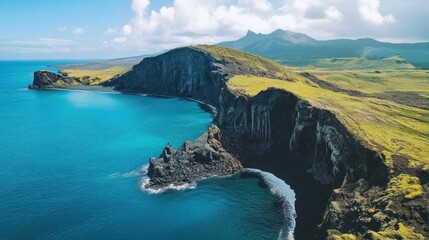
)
(105, 64)
(282, 44)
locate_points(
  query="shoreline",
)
(103, 89)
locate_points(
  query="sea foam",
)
(286, 195)
(145, 181)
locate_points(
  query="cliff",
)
(198, 72)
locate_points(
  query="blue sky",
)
(82, 29)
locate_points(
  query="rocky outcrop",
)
(47, 79)
(203, 158)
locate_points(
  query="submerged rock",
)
(205, 157)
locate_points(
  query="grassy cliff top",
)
(239, 59)
(396, 130)
(95, 77)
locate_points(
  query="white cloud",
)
(40, 45)
(120, 40)
(79, 30)
(61, 29)
(211, 21)
(258, 5)
(139, 7)
(111, 31)
(333, 13)
(127, 29)
(370, 11)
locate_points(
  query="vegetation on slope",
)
(95, 77)
(239, 59)
(355, 63)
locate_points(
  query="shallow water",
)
(70, 168)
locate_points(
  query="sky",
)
(100, 29)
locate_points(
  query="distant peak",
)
(279, 31)
(250, 33)
(292, 37)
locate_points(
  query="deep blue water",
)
(70, 169)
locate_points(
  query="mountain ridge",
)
(284, 44)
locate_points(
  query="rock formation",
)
(203, 158)
(47, 79)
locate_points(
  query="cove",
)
(71, 168)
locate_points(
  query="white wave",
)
(280, 189)
(212, 108)
(145, 182)
(135, 173)
(146, 179)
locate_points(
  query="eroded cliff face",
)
(183, 72)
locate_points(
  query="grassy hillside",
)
(390, 63)
(94, 77)
(239, 59)
(98, 72)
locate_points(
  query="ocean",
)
(72, 165)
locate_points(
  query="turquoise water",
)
(70, 168)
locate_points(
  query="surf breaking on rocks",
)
(286, 195)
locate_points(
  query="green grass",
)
(238, 60)
(392, 63)
(371, 82)
(385, 126)
(95, 77)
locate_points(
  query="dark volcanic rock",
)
(205, 157)
(183, 72)
(44, 79)
(47, 79)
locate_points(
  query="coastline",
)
(103, 89)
